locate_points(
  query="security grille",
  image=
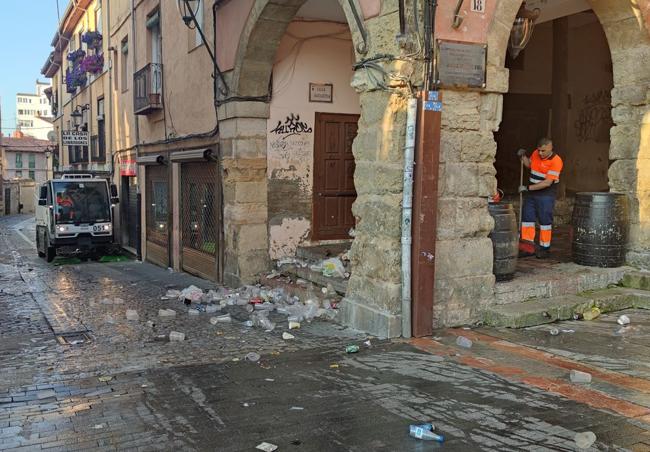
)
(158, 205)
(200, 218)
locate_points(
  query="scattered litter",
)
(425, 432)
(554, 331)
(568, 331)
(235, 360)
(192, 293)
(266, 447)
(462, 341)
(132, 314)
(296, 408)
(175, 336)
(580, 377)
(584, 440)
(221, 319)
(253, 357)
(212, 308)
(193, 311)
(623, 320)
(150, 324)
(98, 426)
(352, 349)
(256, 300)
(368, 343)
(160, 338)
(293, 325)
(591, 314)
(118, 301)
(333, 267)
(248, 404)
(334, 366)
(287, 336)
(248, 323)
(166, 313)
(577, 316)
(105, 378)
(173, 294)
(270, 380)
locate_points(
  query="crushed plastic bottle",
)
(462, 341)
(253, 357)
(421, 432)
(623, 320)
(132, 314)
(352, 349)
(166, 313)
(580, 377)
(287, 336)
(591, 314)
(212, 308)
(175, 336)
(221, 319)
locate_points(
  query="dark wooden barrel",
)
(600, 225)
(505, 240)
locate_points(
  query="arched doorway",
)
(629, 150)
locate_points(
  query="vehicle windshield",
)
(81, 202)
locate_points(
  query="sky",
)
(26, 31)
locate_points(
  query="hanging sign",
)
(74, 138)
(128, 167)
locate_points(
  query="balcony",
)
(147, 83)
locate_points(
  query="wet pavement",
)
(121, 389)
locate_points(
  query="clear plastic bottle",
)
(421, 432)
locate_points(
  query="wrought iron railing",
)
(147, 93)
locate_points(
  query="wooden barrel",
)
(505, 240)
(600, 225)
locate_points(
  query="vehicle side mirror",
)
(115, 199)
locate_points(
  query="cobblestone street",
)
(122, 389)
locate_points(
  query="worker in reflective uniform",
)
(539, 200)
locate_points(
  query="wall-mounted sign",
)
(461, 64)
(128, 167)
(74, 138)
(478, 6)
(321, 92)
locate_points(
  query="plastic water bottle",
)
(421, 432)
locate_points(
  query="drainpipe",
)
(136, 126)
(407, 214)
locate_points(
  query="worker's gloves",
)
(521, 153)
(523, 188)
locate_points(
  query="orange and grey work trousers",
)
(537, 208)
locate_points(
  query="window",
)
(124, 63)
(199, 21)
(98, 17)
(32, 161)
(19, 160)
(98, 142)
(32, 175)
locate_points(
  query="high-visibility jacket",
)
(541, 169)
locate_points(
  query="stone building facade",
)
(386, 72)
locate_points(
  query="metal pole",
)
(521, 195)
(407, 214)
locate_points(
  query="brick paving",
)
(124, 390)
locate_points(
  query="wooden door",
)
(334, 190)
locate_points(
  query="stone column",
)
(243, 159)
(629, 171)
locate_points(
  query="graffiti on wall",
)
(292, 125)
(594, 117)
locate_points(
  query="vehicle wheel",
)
(38, 245)
(50, 251)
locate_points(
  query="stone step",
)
(548, 310)
(319, 253)
(637, 280)
(340, 285)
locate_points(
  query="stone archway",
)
(629, 154)
(373, 300)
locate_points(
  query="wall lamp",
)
(522, 30)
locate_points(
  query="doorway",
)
(201, 222)
(129, 206)
(7, 201)
(334, 191)
(158, 215)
